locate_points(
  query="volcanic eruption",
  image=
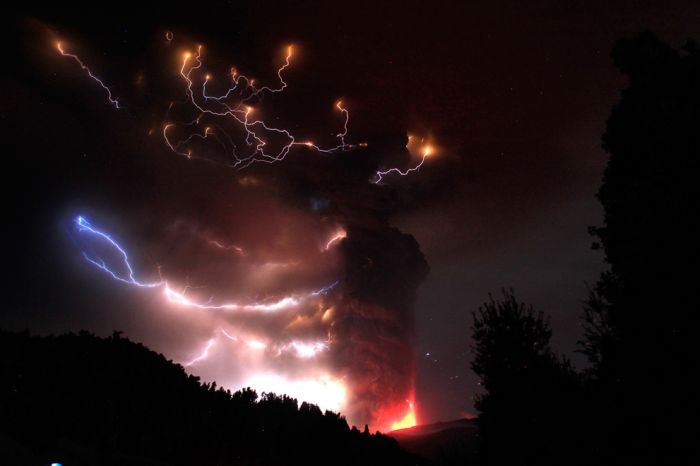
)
(282, 272)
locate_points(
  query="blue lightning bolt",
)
(325, 290)
(84, 227)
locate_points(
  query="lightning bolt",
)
(204, 355)
(225, 247)
(325, 290)
(337, 236)
(111, 99)
(128, 276)
(427, 151)
(84, 226)
(235, 106)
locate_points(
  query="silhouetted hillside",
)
(442, 443)
(85, 400)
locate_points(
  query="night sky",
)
(512, 98)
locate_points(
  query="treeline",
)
(78, 399)
(638, 403)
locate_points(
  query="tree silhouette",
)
(641, 318)
(530, 394)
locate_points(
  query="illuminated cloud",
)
(287, 280)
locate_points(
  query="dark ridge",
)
(79, 399)
(442, 443)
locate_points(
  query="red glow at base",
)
(409, 420)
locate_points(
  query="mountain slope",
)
(85, 400)
(443, 443)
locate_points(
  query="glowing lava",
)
(409, 420)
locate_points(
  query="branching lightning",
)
(244, 138)
(128, 276)
(236, 124)
(84, 226)
(235, 107)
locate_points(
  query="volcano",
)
(450, 442)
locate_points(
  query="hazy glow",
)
(337, 236)
(323, 390)
(256, 344)
(282, 304)
(175, 297)
(281, 322)
(409, 420)
(304, 349)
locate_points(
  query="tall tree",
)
(529, 401)
(642, 317)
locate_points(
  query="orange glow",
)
(337, 236)
(421, 146)
(256, 344)
(327, 314)
(322, 389)
(409, 420)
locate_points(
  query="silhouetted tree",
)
(642, 317)
(530, 395)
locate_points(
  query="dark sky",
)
(515, 95)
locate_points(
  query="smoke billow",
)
(374, 329)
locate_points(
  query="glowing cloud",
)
(345, 347)
(323, 390)
(172, 296)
